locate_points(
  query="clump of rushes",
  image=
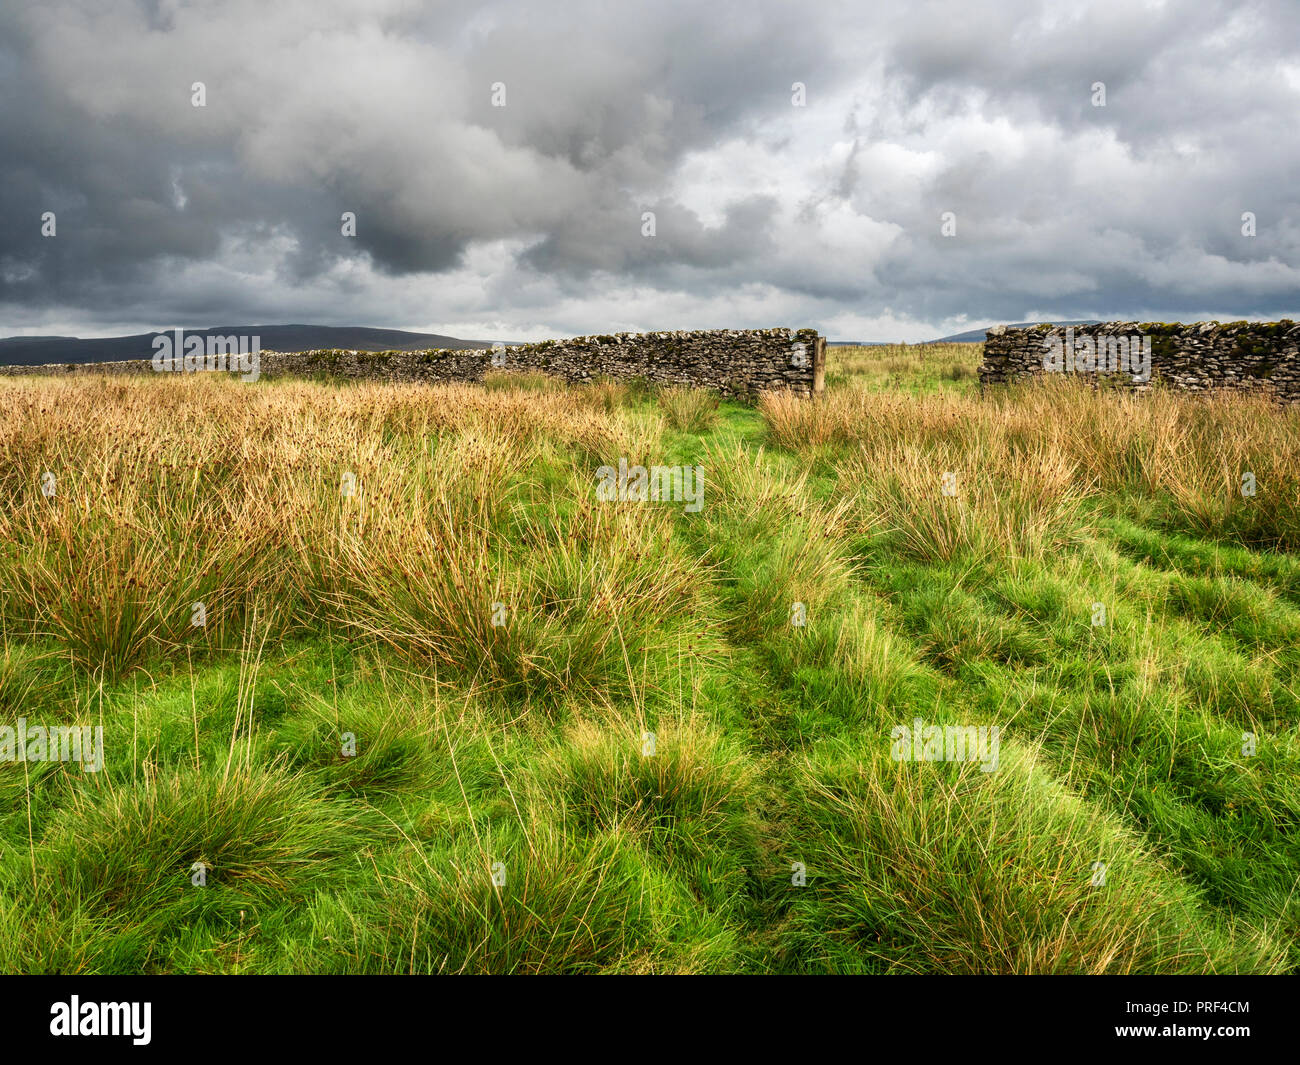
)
(1181, 459)
(155, 509)
(556, 607)
(690, 410)
(923, 867)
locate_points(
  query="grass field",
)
(444, 710)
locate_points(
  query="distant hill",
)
(33, 351)
(976, 336)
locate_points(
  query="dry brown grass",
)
(169, 493)
(1026, 457)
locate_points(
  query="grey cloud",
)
(232, 212)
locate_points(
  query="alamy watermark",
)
(678, 484)
(76, 1018)
(55, 743)
(1103, 354)
(946, 743)
(177, 353)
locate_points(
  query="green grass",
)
(674, 753)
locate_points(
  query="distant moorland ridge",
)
(36, 351)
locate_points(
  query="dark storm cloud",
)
(530, 215)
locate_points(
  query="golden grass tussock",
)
(1026, 457)
(153, 513)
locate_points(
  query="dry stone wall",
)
(739, 363)
(1200, 357)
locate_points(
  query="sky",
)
(877, 171)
